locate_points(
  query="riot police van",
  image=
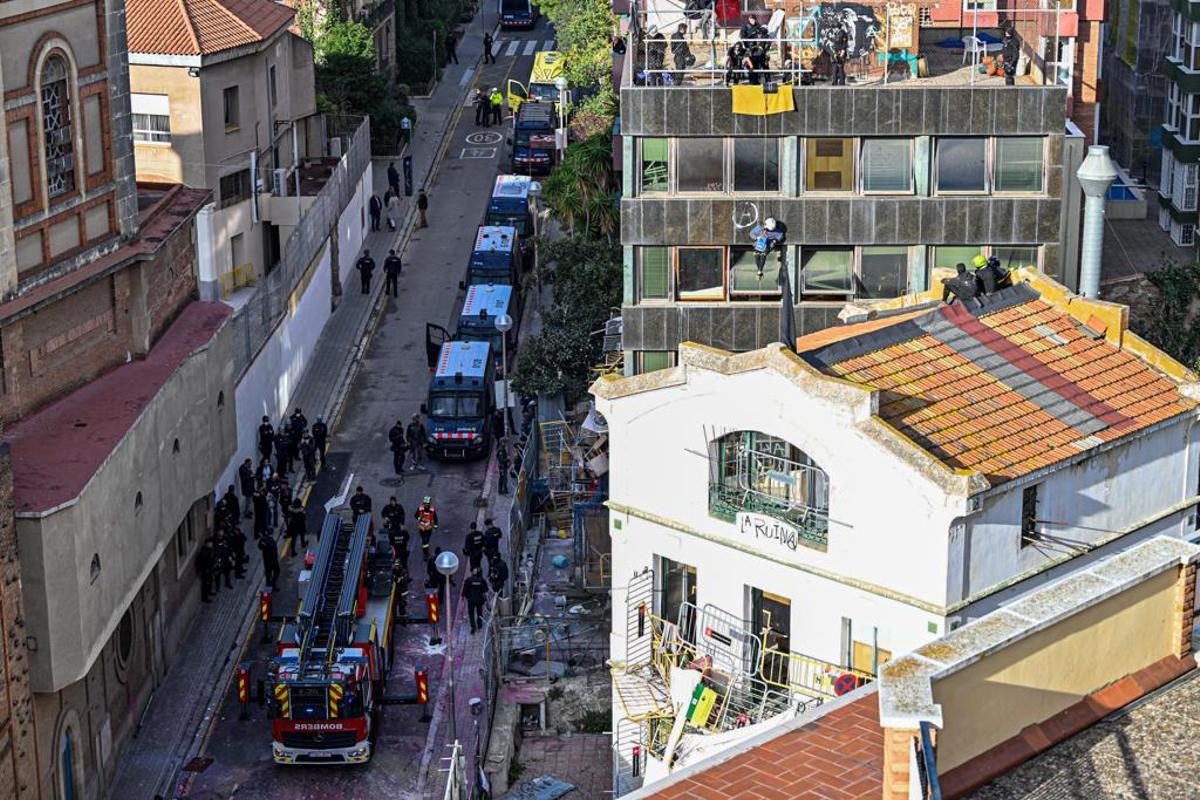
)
(458, 411)
(509, 204)
(477, 322)
(496, 257)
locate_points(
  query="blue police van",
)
(496, 257)
(509, 204)
(461, 401)
(477, 322)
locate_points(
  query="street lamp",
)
(561, 84)
(535, 191)
(504, 324)
(447, 564)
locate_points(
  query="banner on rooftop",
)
(754, 101)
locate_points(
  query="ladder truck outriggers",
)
(326, 682)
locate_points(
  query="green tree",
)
(584, 29)
(579, 189)
(1174, 321)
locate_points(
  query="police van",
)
(496, 257)
(509, 204)
(534, 148)
(477, 322)
(461, 401)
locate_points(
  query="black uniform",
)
(488, 57)
(992, 276)
(360, 504)
(374, 208)
(961, 287)
(656, 56)
(391, 274)
(393, 516)
(224, 562)
(483, 108)
(399, 453)
(297, 526)
(451, 49)
(320, 434)
(502, 467)
(270, 557)
(308, 454)
(206, 563)
(491, 543)
(298, 423)
(1011, 52)
(283, 451)
(399, 539)
(246, 479)
(266, 439)
(497, 575)
(473, 549)
(262, 514)
(230, 507)
(393, 176)
(237, 548)
(840, 54)
(475, 590)
(415, 434)
(366, 268)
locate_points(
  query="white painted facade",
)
(902, 525)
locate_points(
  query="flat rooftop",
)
(57, 450)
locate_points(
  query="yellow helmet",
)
(979, 261)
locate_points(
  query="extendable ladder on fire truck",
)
(327, 616)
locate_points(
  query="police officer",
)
(961, 287)
(990, 275)
(283, 456)
(491, 541)
(246, 481)
(415, 434)
(308, 453)
(488, 44)
(475, 590)
(230, 509)
(266, 437)
(839, 52)
(297, 526)
(395, 433)
(360, 503)
(366, 268)
(270, 557)
(298, 423)
(1011, 51)
(320, 434)
(656, 56)
(502, 465)
(473, 547)
(223, 559)
(497, 106)
(206, 569)
(399, 454)
(427, 522)
(392, 514)
(498, 575)
(483, 108)
(399, 539)
(237, 549)
(262, 513)
(391, 274)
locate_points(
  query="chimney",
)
(1095, 174)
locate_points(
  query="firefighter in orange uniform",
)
(427, 522)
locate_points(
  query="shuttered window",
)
(656, 270)
(887, 165)
(654, 165)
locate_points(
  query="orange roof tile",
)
(201, 27)
(1005, 388)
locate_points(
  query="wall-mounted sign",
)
(765, 530)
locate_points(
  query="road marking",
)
(512, 48)
(466, 78)
(484, 138)
(530, 46)
(478, 152)
(548, 44)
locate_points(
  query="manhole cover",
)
(198, 764)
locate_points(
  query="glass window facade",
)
(961, 165)
(887, 165)
(1019, 166)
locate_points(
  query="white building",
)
(804, 513)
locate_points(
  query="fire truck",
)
(327, 678)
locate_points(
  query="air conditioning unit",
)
(279, 182)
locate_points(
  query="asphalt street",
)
(390, 384)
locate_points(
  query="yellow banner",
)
(754, 101)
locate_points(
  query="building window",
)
(151, 118)
(1029, 512)
(653, 360)
(883, 272)
(1187, 41)
(829, 165)
(887, 166)
(761, 474)
(979, 5)
(58, 133)
(94, 569)
(69, 766)
(185, 542)
(756, 165)
(655, 169)
(1019, 256)
(946, 257)
(1183, 186)
(961, 165)
(1019, 164)
(827, 270)
(675, 595)
(272, 94)
(699, 165)
(233, 114)
(700, 273)
(175, 447)
(234, 188)
(654, 273)
(125, 639)
(744, 277)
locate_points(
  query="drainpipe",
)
(1095, 174)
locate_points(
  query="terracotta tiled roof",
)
(837, 755)
(1003, 389)
(201, 27)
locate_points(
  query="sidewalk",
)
(179, 716)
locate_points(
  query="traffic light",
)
(431, 606)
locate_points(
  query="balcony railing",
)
(724, 503)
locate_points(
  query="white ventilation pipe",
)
(1095, 174)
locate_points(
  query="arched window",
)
(68, 765)
(59, 137)
(757, 473)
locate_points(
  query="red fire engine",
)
(328, 675)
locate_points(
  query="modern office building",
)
(878, 182)
(1137, 41)
(1181, 130)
